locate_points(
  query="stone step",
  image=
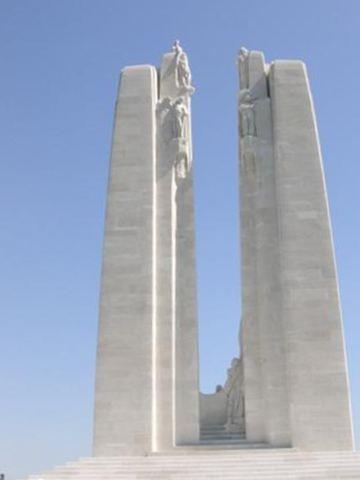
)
(240, 464)
(192, 473)
(223, 436)
(275, 464)
(229, 441)
(218, 445)
(334, 474)
(245, 456)
(233, 466)
(219, 476)
(213, 430)
(217, 434)
(212, 427)
(220, 432)
(210, 466)
(270, 454)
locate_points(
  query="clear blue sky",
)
(60, 62)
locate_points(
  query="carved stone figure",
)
(177, 47)
(174, 126)
(235, 397)
(244, 96)
(183, 71)
(183, 74)
(175, 116)
(243, 61)
(247, 121)
(179, 114)
(164, 104)
(181, 162)
(247, 114)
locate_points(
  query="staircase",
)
(192, 463)
(218, 435)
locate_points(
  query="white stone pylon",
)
(146, 397)
(319, 397)
(266, 403)
(296, 385)
(123, 392)
(176, 366)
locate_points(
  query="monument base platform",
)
(191, 463)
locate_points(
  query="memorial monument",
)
(284, 408)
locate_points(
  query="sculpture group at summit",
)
(286, 395)
(289, 386)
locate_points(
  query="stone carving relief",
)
(182, 163)
(179, 115)
(182, 69)
(243, 62)
(174, 123)
(246, 114)
(234, 389)
(175, 116)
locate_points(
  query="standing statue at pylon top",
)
(243, 65)
(183, 73)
